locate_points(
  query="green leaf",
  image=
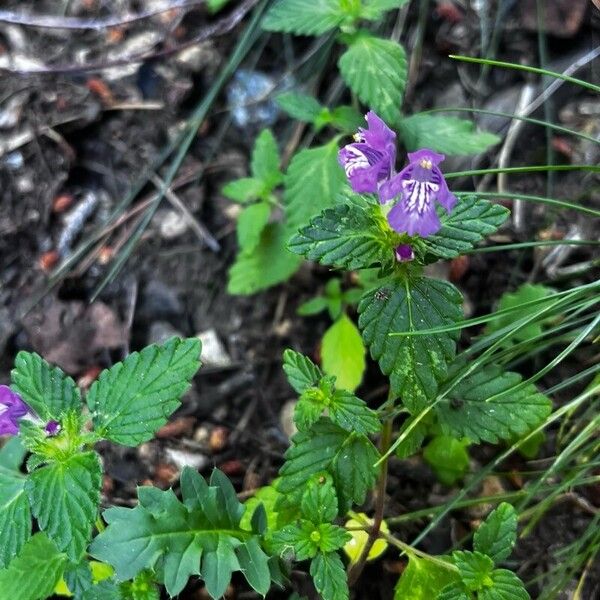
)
(352, 414)
(302, 18)
(300, 106)
(497, 535)
(250, 225)
(267, 497)
(505, 586)
(78, 578)
(347, 236)
(265, 160)
(143, 587)
(414, 440)
(491, 405)
(244, 189)
(201, 535)
(216, 5)
(471, 220)
(134, 398)
(12, 454)
(47, 390)
(454, 591)
(416, 363)
(301, 372)
(423, 580)
(64, 499)
(105, 590)
(300, 539)
(347, 456)
(375, 70)
(15, 516)
(474, 568)
(373, 10)
(313, 306)
(268, 264)
(312, 182)
(35, 572)
(346, 118)
(528, 292)
(449, 135)
(448, 457)
(343, 353)
(329, 576)
(332, 537)
(319, 501)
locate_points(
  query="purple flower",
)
(419, 185)
(52, 428)
(404, 253)
(371, 158)
(12, 408)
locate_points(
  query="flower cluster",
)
(369, 165)
(13, 409)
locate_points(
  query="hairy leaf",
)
(416, 363)
(343, 353)
(497, 535)
(300, 106)
(134, 398)
(265, 160)
(301, 372)
(312, 182)
(454, 591)
(375, 70)
(201, 535)
(474, 568)
(47, 390)
(505, 586)
(34, 573)
(423, 580)
(15, 516)
(64, 498)
(347, 236)
(347, 456)
(491, 405)
(471, 220)
(319, 502)
(243, 190)
(268, 264)
(304, 18)
(375, 9)
(444, 134)
(329, 576)
(250, 225)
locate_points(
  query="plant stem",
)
(356, 568)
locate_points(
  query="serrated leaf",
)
(490, 405)
(12, 454)
(296, 540)
(416, 363)
(300, 106)
(46, 389)
(331, 537)
(375, 70)
(448, 457)
(78, 578)
(254, 564)
(352, 414)
(268, 264)
(244, 189)
(347, 457)
(15, 516)
(304, 18)
(105, 590)
(346, 118)
(497, 535)
(301, 372)
(375, 9)
(414, 440)
(201, 535)
(423, 580)
(471, 220)
(343, 353)
(312, 182)
(319, 502)
(265, 160)
(474, 569)
(143, 587)
(134, 398)
(34, 573)
(329, 576)
(505, 586)
(347, 236)
(250, 225)
(64, 499)
(528, 292)
(449, 135)
(454, 591)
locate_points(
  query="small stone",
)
(177, 428)
(165, 474)
(218, 439)
(214, 353)
(171, 224)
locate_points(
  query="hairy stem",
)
(356, 568)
